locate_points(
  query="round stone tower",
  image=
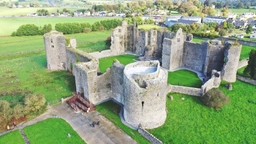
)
(55, 47)
(145, 85)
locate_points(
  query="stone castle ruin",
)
(141, 87)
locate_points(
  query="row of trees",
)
(33, 103)
(31, 30)
(71, 28)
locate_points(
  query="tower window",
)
(52, 46)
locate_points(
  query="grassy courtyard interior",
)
(189, 121)
(107, 62)
(184, 78)
(52, 130)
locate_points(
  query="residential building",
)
(218, 20)
(192, 18)
(171, 20)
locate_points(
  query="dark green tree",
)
(249, 29)
(250, 70)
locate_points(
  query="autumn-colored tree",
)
(34, 102)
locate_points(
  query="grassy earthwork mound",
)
(111, 111)
(189, 121)
(13, 137)
(107, 62)
(52, 131)
(184, 78)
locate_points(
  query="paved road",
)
(105, 133)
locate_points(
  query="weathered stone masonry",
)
(142, 95)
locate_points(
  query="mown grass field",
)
(9, 25)
(11, 45)
(52, 131)
(189, 121)
(111, 111)
(184, 78)
(5, 11)
(13, 137)
(107, 62)
(29, 73)
(241, 11)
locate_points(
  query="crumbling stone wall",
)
(74, 56)
(195, 55)
(55, 47)
(186, 90)
(213, 82)
(117, 84)
(145, 104)
(231, 54)
(215, 58)
(242, 63)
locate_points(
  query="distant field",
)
(11, 45)
(147, 27)
(5, 11)
(9, 25)
(241, 11)
(199, 40)
(12, 138)
(184, 78)
(52, 131)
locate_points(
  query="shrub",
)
(215, 98)
(28, 30)
(86, 30)
(34, 102)
(222, 32)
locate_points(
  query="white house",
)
(248, 15)
(218, 20)
(87, 13)
(120, 14)
(253, 35)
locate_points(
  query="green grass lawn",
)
(107, 62)
(241, 11)
(148, 26)
(52, 131)
(10, 45)
(245, 51)
(9, 25)
(199, 40)
(184, 78)
(30, 73)
(111, 111)
(189, 121)
(13, 137)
